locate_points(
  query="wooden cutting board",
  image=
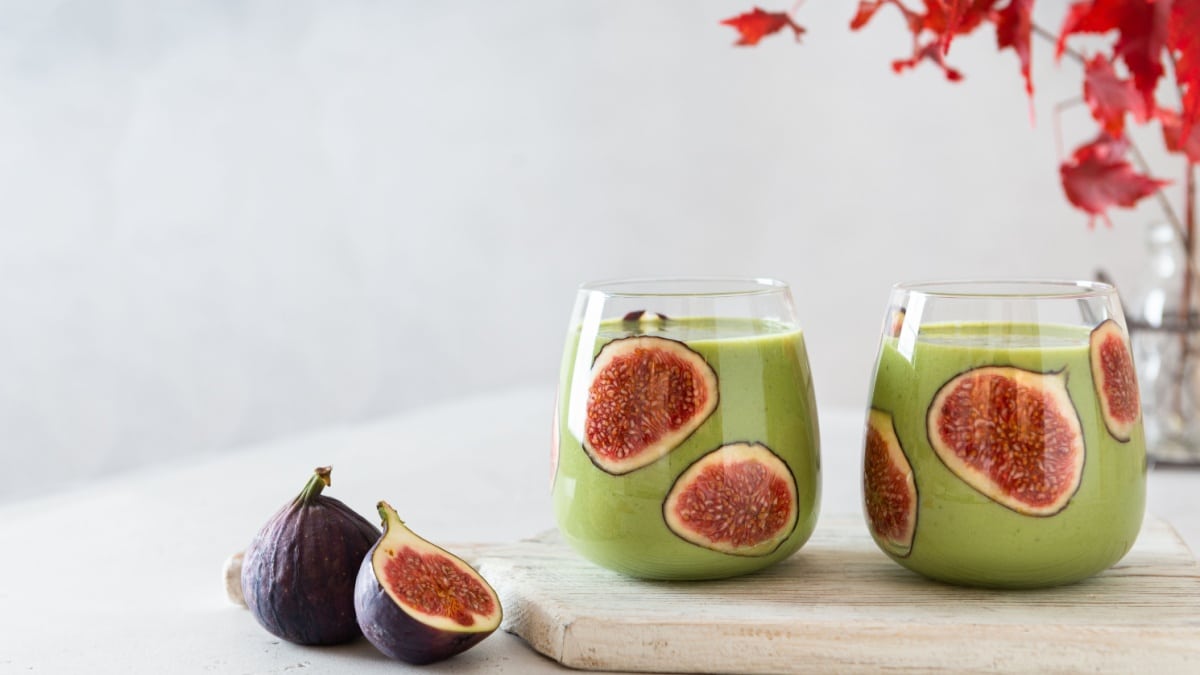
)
(840, 605)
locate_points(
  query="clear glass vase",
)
(1165, 337)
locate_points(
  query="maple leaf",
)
(1183, 41)
(757, 24)
(1141, 26)
(933, 52)
(941, 21)
(1014, 25)
(867, 9)
(1173, 133)
(1109, 97)
(948, 18)
(1097, 176)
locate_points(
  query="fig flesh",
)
(738, 499)
(418, 603)
(646, 395)
(1011, 434)
(889, 493)
(1115, 380)
(298, 573)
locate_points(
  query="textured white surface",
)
(224, 221)
(125, 576)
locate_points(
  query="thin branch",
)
(1058, 111)
(1190, 201)
(1182, 232)
(1189, 242)
(1053, 39)
(1168, 210)
(1189, 280)
(1174, 65)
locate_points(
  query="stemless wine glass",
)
(686, 442)
(1004, 442)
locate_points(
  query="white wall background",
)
(222, 222)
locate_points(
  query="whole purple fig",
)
(298, 574)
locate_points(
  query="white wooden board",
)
(839, 605)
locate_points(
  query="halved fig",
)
(1012, 434)
(645, 396)
(1115, 380)
(738, 499)
(418, 603)
(889, 493)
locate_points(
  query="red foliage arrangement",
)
(1155, 42)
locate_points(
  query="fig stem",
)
(389, 515)
(319, 480)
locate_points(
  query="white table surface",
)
(125, 575)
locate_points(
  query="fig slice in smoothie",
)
(738, 499)
(1011, 434)
(647, 394)
(1116, 383)
(889, 492)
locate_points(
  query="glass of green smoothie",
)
(1003, 446)
(685, 433)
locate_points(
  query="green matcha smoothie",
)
(963, 535)
(764, 400)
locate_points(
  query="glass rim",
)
(1008, 289)
(695, 287)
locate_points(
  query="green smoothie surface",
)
(765, 396)
(963, 536)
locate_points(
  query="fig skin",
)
(298, 572)
(396, 632)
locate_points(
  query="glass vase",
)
(1165, 337)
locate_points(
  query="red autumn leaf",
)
(940, 22)
(933, 52)
(948, 18)
(1173, 134)
(1183, 39)
(1141, 27)
(1109, 97)
(867, 9)
(1097, 177)
(1014, 25)
(757, 24)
